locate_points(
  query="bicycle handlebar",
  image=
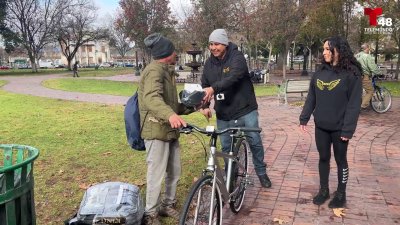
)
(190, 127)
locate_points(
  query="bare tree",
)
(77, 28)
(119, 37)
(34, 22)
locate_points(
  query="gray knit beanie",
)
(219, 36)
(160, 47)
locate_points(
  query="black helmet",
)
(191, 99)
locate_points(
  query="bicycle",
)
(209, 193)
(381, 100)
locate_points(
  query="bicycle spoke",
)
(197, 207)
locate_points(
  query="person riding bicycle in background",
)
(226, 79)
(159, 113)
(369, 68)
(334, 99)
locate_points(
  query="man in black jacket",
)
(226, 78)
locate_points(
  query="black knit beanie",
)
(159, 46)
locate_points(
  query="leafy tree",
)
(281, 21)
(393, 12)
(9, 38)
(143, 17)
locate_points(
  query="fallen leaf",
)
(84, 186)
(60, 171)
(195, 179)
(339, 212)
(280, 221)
(107, 153)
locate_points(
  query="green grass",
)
(124, 88)
(84, 72)
(82, 144)
(2, 82)
(92, 86)
(393, 86)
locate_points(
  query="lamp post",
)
(292, 53)
(241, 44)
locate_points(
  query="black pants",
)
(324, 139)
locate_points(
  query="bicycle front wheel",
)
(196, 210)
(239, 175)
(381, 101)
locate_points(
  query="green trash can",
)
(17, 206)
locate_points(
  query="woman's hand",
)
(206, 113)
(303, 128)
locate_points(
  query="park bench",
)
(293, 86)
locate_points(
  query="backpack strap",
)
(145, 116)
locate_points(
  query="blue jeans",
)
(256, 146)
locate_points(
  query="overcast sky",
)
(109, 7)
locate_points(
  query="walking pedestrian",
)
(75, 69)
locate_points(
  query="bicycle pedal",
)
(250, 181)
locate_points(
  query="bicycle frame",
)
(213, 167)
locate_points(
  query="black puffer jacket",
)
(230, 77)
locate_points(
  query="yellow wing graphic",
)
(320, 84)
(330, 86)
(333, 84)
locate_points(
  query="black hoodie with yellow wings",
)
(334, 99)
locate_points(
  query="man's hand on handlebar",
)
(176, 121)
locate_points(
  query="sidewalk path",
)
(31, 85)
(373, 195)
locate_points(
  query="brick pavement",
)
(373, 194)
(374, 161)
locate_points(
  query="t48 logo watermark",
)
(378, 23)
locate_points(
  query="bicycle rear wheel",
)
(381, 100)
(239, 175)
(196, 210)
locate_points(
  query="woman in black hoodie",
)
(334, 100)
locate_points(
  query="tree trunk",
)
(69, 64)
(33, 63)
(266, 76)
(396, 75)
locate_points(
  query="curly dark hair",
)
(347, 61)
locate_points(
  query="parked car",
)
(298, 59)
(106, 65)
(4, 67)
(22, 66)
(46, 64)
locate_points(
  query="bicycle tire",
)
(381, 100)
(239, 175)
(196, 209)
